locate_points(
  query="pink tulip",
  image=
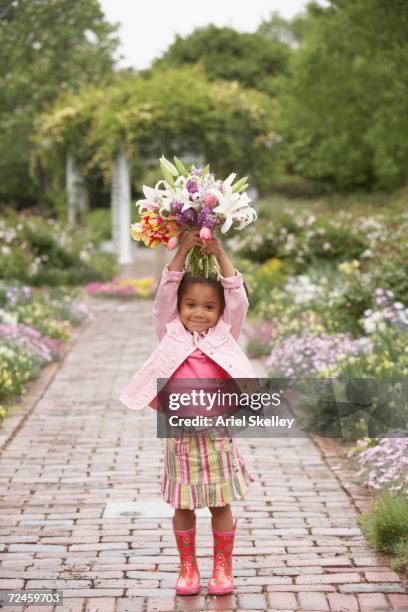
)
(205, 234)
(211, 201)
(172, 243)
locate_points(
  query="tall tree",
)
(48, 46)
(290, 31)
(344, 104)
(250, 58)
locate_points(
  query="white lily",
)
(157, 198)
(168, 194)
(152, 200)
(229, 204)
(181, 194)
(245, 216)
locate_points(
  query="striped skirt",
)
(202, 471)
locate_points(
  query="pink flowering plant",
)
(187, 199)
(308, 354)
(386, 314)
(24, 351)
(123, 288)
(383, 463)
(33, 326)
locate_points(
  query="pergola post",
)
(77, 192)
(120, 206)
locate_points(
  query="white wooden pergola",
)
(78, 200)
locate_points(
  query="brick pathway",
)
(297, 546)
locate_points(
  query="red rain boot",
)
(222, 580)
(188, 581)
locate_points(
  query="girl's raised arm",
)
(165, 302)
(236, 301)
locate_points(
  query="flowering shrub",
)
(303, 291)
(389, 264)
(131, 287)
(383, 463)
(33, 326)
(259, 336)
(308, 355)
(24, 352)
(386, 312)
(41, 251)
(388, 357)
(15, 369)
(304, 238)
(282, 322)
(37, 347)
(264, 279)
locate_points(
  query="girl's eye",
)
(210, 307)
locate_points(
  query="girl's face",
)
(200, 307)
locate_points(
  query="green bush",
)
(386, 527)
(264, 279)
(41, 251)
(99, 221)
(303, 238)
(389, 265)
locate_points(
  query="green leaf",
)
(167, 175)
(207, 169)
(180, 166)
(239, 184)
(169, 166)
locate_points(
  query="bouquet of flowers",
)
(187, 200)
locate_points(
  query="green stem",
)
(201, 264)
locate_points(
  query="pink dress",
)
(203, 470)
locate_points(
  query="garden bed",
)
(329, 300)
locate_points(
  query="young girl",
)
(198, 322)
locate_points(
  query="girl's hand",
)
(190, 240)
(213, 247)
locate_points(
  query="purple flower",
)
(206, 218)
(175, 206)
(307, 354)
(385, 465)
(191, 186)
(186, 217)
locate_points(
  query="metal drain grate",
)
(154, 508)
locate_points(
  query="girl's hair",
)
(188, 280)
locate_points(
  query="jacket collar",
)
(216, 335)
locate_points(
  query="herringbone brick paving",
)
(297, 545)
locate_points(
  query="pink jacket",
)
(177, 343)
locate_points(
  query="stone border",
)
(335, 455)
